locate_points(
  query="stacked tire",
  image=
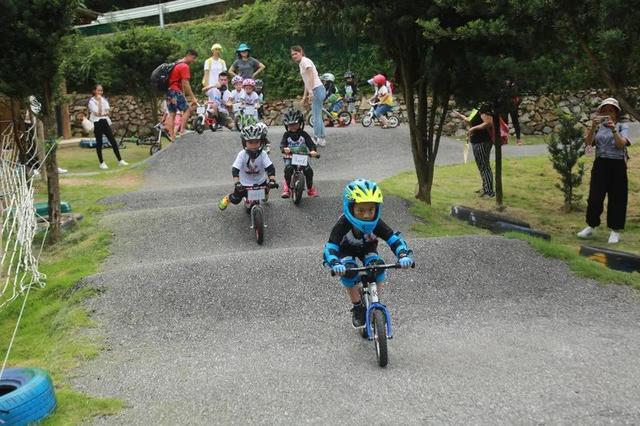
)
(26, 396)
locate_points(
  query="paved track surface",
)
(205, 327)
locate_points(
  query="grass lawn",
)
(530, 195)
(83, 160)
(55, 332)
(527, 139)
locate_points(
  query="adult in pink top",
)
(314, 91)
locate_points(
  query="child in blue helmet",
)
(355, 236)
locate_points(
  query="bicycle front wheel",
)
(345, 117)
(379, 325)
(298, 189)
(257, 219)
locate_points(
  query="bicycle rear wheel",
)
(257, 219)
(379, 325)
(393, 120)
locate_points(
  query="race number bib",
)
(299, 160)
(250, 110)
(256, 194)
(200, 110)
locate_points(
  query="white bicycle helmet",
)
(263, 128)
(237, 79)
(252, 132)
(327, 77)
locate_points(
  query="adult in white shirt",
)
(99, 115)
(314, 91)
(213, 66)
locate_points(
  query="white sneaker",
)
(103, 166)
(62, 171)
(586, 232)
(321, 142)
(614, 237)
(122, 163)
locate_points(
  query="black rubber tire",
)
(613, 259)
(198, 125)
(502, 227)
(298, 189)
(483, 219)
(310, 120)
(346, 117)
(393, 121)
(367, 120)
(154, 149)
(258, 223)
(26, 396)
(212, 128)
(379, 326)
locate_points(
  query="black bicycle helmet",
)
(349, 74)
(292, 116)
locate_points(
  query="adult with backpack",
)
(174, 79)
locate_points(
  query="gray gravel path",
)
(205, 327)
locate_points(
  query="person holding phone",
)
(609, 172)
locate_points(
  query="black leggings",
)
(308, 174)
(482, 154)
(608, 178)
(101, 127)
(513, 112)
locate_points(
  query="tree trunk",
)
(18, 128)
(416, 136)
(498, 149)
(608, 79)
(51, 165)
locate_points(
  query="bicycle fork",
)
(373, 303)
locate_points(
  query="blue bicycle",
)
(377, 325)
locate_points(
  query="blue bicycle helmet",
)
(362, 191)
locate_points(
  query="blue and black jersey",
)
(345, 240)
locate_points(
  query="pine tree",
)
(565, 149)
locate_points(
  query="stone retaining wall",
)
(538, 114)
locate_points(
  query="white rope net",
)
(19, 261)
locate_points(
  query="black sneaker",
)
(357, 315)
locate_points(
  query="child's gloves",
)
(273, 184)
(405, 262)
(238, 187)
(339, 269)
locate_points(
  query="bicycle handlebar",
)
(375, 268)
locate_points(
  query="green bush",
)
(269, 27)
